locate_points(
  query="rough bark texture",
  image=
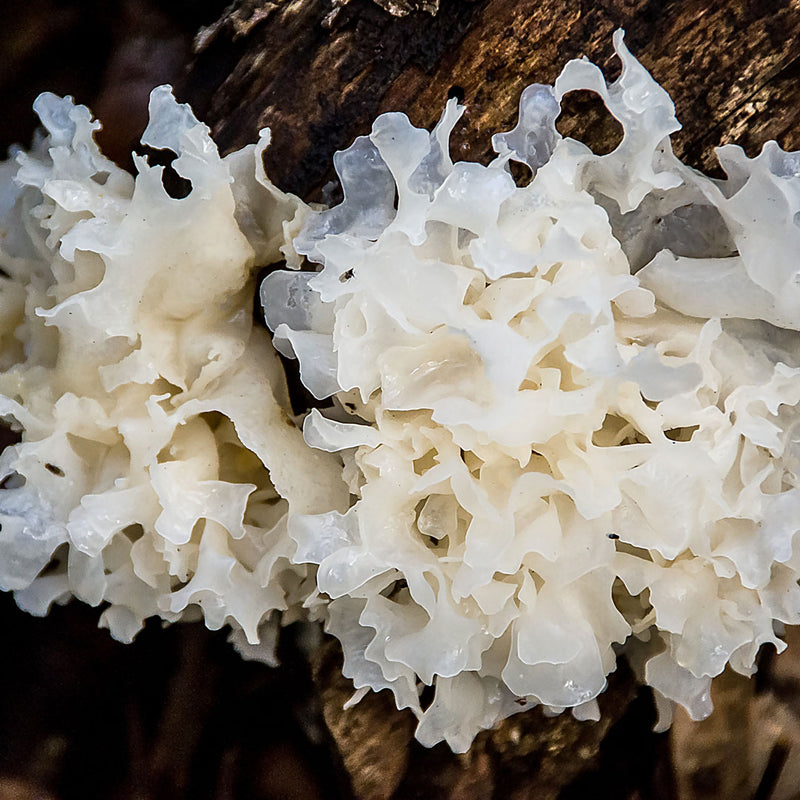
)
(319, 73)
(177, 714)
(528, 755)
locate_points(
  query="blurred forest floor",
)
(178, 714)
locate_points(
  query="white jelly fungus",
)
(565, 420)
(158, 461)
(569, 412)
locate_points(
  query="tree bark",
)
(318, 73)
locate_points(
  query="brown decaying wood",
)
(528, 754)
(318, 75)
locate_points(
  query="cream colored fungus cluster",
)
(568, 411)
(158, 461)
(564, 417)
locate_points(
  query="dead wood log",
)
(318, 72)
